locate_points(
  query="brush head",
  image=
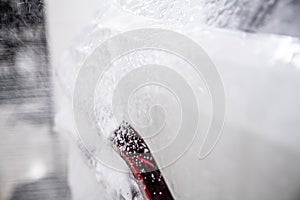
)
(133, 149)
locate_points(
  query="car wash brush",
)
(134, 151)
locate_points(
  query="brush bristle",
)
(126, 139)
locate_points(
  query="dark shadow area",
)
(32, 165)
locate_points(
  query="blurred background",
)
(33, 36)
